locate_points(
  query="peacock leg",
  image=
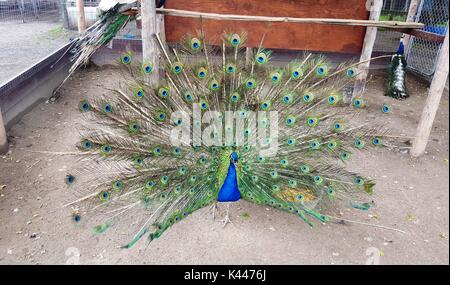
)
(227, 219)
(213, 209)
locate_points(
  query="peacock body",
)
(396, 87)
(217, 129)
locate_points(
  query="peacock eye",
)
(126, 59)
(77, 218)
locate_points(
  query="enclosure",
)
(408, 223)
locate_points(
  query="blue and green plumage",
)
(396, 85)
(134, 171)
(229, 191)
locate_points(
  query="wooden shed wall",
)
(295, 36)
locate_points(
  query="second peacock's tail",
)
(218, 129)
(113, 16)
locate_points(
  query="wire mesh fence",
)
(45, 10)
(393, 10)
(28, 10)
(422, 54)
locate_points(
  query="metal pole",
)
(64, 14)
(22, 10)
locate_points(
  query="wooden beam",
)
(366, 54)
(81, 17)
(432, 104)
(421, 34)
(3, 138)
(149, 29)
(413, 6)
(329, 21)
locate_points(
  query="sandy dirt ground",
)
(24, 44)
(412, 195)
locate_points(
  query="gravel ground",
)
(411, 195)
(24, 44)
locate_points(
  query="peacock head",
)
(234, 157)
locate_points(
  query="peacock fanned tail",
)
(131, 172)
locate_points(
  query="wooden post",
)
(149, 29)
(431, 105)
(410, 18)
(3, 137)
(160, 27)
(81, 17)
(366, 54)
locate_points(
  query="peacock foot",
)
(213, 209)
(226, 220)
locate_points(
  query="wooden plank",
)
(432, 104)
(344, 22)
(421, 34)
(427, 36)
(314, 37)
(366, 54)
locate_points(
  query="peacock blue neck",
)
(229, 192)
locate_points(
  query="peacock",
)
(396, 87)
(220, 126)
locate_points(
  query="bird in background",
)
(132, 172)
(396, 86)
